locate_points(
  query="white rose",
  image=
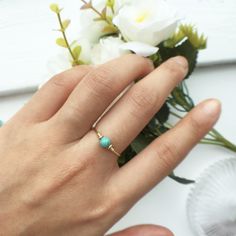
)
(149, 21)
(120, 3)
(107, 49)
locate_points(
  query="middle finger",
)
(135, 109)
(97, 90)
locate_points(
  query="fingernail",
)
(182, 61)
(212, 107)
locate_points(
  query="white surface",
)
(166, 204)
(211, 205)
(28, 42)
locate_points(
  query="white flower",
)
(86, 47)
(120, 3)
(59, 63)
(149, 21)
(107, 49)
(139, 48)
(56, 65)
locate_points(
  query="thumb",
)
(144, 230)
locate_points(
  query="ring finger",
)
(135, 109)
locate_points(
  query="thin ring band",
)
(105, 142)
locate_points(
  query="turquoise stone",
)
(105, 142)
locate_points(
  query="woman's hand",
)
(57, 180)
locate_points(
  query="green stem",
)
(211, 143)
(109, 22)
(211, 140)
(176, 115)
(222, 139)
(170, 126)
(217, 139)
(66, 40)
(212, 134)
(112, 10)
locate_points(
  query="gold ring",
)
(105, 142)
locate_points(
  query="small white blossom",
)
(107, 49)
(120, 3)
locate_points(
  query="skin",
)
(55, 179)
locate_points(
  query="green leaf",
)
(161, 129)
(198, 41)
(185, 49)
(109, 29)
(126, 156)
(61, 42)
(187, 31)
(104, 12)
(151, 126)
(77, 51)
(73, 43)
(175, 39)
(55, 8)
(65, 24)
(141, 142)
(110, 3)
(100, 18)
(180, 99)
(154, 129)
(163, 114)
(156, 59)
(180, 179)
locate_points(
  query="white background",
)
(27, 43)
(28, 40)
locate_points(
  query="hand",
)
(57, 180)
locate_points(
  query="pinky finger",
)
(165, 153)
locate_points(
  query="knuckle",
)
(132, 57)
(83, 69)
(98, 210)
(34, 197)
(167, 154)
(101, 81)
(119, 202)
(73, 112)
(195, 125)
(60, 81)
(143, 99)
(77, 73)
(67, 79)
(94, 214)
(101, 211)
(175, 69)
(111, 208)
(144, 65)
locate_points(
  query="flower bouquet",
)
(149, 28)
